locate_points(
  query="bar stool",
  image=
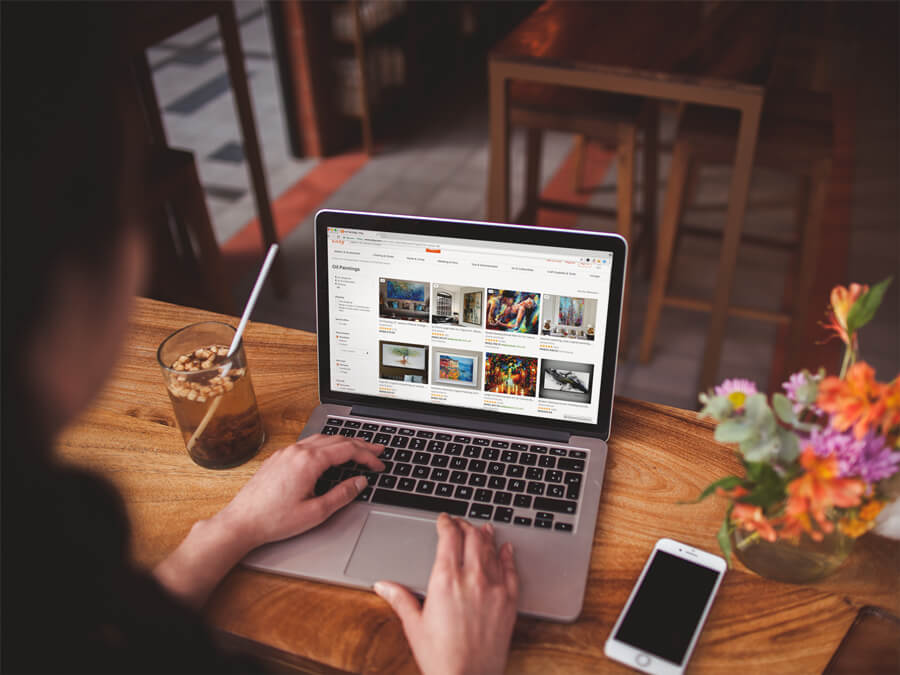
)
(609, 120)
(795, 136)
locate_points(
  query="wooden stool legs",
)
(668, 227)
(533, 152)
(625, 151)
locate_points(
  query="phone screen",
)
(667, 607)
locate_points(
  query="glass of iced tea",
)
(212, 394)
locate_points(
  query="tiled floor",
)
(440, 168)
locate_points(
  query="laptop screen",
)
(490, 325)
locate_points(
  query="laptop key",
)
(528, 459)
(482, 495)
(463, 439)
(477, 479)
(516, 485)
(472, 451)
(417, 443)
(499, 444)
(458, 477)
(387, 453)
(459, 463)
(440, 460)
(330, 430)
(425, 487)
(571, 464)
(522, 501)
(563, 527)
(545, 524)
(556, 491)
(387, 481)
(435, 446)
(496, 482)
(480, 441)
(365, 435)
(420, 471)
(559, 452)
(321, 487)
(519, 520)
(443, 437)
(519, 446)
(384, 439)
(399, 441)
(547, 462)
(388, 429)
(425, 434)
(495, 468)
(352, 424)
(553, 476)
(482, 511)
(403, 456)
(406, 432)
(534, 473)
(453, 449)
(439, 475)
(418, 501)
(535, 488)
(509, 456)
(539, 449)
(402, 469)
(503, 515)
(349, 433)
(514, 470)
(573, 491)
(406, 484)
(364, 495)
(555, 505)
(490, 454)
(421, 458)
(387, 466)
(444, 490)
(334, 421)
(332, 473)
(371, 477)
(463, 492)
(578, 454)
(477, 465)
(544, 515)
(503, 498)
(573, 479)
(368, 426)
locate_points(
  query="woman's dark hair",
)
(70, 172)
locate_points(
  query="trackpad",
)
(394, 548)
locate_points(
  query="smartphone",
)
(657, 630)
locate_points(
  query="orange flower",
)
(751, 518)
(842, 300)
(858, 400)
(891, 399)
(871, 510)
(818, 489)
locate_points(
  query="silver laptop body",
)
(483, 356)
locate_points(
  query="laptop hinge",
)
(462, 423)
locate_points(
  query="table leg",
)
(498, 176)
(737, 202)
(238, 76)
(625, 151)
(651, 183)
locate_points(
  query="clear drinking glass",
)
(212, 394)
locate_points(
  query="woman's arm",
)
(275, 504)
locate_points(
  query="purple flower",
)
(736, 391)
(869, 458)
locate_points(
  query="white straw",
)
(248, 310)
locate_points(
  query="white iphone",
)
(657, 630)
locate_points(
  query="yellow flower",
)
(854, 527)
(871, 510)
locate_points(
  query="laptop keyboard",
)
(468, 475)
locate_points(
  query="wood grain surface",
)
(658, 456)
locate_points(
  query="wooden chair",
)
(606, 119)
(795, 136)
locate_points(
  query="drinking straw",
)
(248, 310)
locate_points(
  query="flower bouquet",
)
(821, 462)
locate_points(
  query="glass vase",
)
(794, 561)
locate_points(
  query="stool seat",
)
(595, 114)
(795, 131)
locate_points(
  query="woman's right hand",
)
(466, 622)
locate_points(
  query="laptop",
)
(483, 357)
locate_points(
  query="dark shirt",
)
(72, 599)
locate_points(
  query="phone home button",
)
(642, 660)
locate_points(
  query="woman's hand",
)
(276, 503)
(466, 623)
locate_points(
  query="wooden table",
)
(658, 456)
(660, 50)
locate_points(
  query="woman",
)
(74, 252)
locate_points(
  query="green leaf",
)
(790, 448)
(784, 408)
(724, 537)
(866, 305)
(760, 414)
(717, 407)
(768, 488)
(725, 483)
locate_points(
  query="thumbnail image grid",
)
(403, 362)
(569, 317)
(509, 374)
(404, 300)
(456, 305)
(566, 380)
(513, 311)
